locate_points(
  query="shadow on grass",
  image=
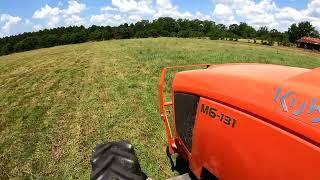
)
(180, 165)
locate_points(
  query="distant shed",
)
(309, 43)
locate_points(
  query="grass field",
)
(56, 104)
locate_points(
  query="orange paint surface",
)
(272, 129)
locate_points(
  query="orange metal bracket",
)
(163, 104)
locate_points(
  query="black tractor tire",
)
(116, 161)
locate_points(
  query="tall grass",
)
(56, 104)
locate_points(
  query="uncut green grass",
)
(56, 104)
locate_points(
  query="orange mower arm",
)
(163, 104)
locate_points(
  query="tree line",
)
(161, 27)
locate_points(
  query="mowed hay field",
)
(56, 104)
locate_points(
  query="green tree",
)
(242, 30)
(164, 26)
(293, 33)
(27, 44)
(250, 32)
(7, 48)
(263, 33)
(95, 35)
(233, 28)
(183, 34)
(305, 28)
(217, 32)
(48, 40)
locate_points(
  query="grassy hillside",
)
(56, 104)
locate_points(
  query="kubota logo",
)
(289, 97)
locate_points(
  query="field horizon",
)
(57, 104)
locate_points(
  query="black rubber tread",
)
(115, 160)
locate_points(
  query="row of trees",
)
(165, 27)
(243, 30)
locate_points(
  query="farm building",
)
(309, 43)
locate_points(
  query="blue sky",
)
(17, 16)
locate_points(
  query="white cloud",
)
(313, 9)
(46, 12)
(75, 7)
(224, 14)
(123, 11)
(259, 14)
(165, 8)
(128, 11)
(202, 16)
(54, 21)
(54, 15)
(74, 20)
(265, 13)
(109, 8)
(165, 4)
(27, 21)
(289, 14)
(37, 27)
(8, 22)
(134, 6)
(135, 18)
(107, 19)
(117, 17)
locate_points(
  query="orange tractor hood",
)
(285, 97)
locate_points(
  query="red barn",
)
(309, 43)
